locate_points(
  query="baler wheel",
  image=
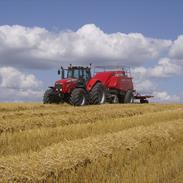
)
(115, 99)
(129, 97)
(98, 94)
(121, 99)
(79, 97)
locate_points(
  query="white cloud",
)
(163, 96)
(176, 50)
(144, 86)
(38, 48)
(147, 87)
(12, 78)
(18, 86)
(23, 47)
(164, 69)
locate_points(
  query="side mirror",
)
(58, 72)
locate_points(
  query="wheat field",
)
(117, 143)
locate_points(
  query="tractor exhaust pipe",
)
(61, 72)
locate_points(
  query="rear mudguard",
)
(91, 84)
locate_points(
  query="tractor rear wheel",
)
(50, 97)
(98, 94)
(129, 97)
(79, 97)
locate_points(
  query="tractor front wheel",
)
(98, 94)
(79, 97)
(50, 97)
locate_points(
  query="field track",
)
(104, 143)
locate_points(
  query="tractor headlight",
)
(58, 87)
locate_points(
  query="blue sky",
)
(155, 19)
(160, 19)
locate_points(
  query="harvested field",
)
(105, 143)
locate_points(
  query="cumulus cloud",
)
(176, 50)
(18, 86)
(39, 48)
(146, 80)
(147, 87)
(163, 96)
(164, 69)
(144, 86)
(12, 78)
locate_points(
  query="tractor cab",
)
(72, 77)
(78, 72)
(75, 72)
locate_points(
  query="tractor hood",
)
(66, 81)
(66, 85)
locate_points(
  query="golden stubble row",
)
(36, 139)
(141, 165)
(52, 116)
(62, 143)
(51, 162)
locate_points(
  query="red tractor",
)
(78, 87)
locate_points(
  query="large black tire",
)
(50, 97)
(114, 100)
(121, 99)
(128, 97)
(97, 94)
(79, 97)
